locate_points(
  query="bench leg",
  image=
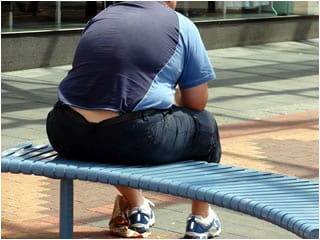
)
(66, 208)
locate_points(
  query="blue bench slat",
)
(254, 186)
(15, 165)
(94, 170)
(13, 150)
(38, 168)
(167, 169)
(309, 231)
(93, 173)
(219, 178)
(163, 170)
(256, 192)
(183, 171)
(311, 197)
(48, 169)
(203, 193)
(132, 173)
(272, 214)
(260, 208)
(269, 212)
(46, 157)
(310, 192)
(252, 193)
(109, 176)
(270, 198)
(303, 191)
(244, 203)
(292, 205)
(153, 174)
(266, 180)
(286, 201)
(295, 223)
(294, 184)
(27, 167)
(27, 150)
(265, 210)
(199, 172)
(40, 151)
(82, 173)
(244, 207)
(203, 171)
(236, 199)
(186, 178)
(257, 207)
(244, 181)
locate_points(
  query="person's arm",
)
(195, 98)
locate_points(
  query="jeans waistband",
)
(129, 117)
(115, 120)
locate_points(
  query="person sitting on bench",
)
(136, 94)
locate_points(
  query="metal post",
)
(273, 9)
(58, 14)
(224, 9)
(10, 16)
(186, 8)
(66, 208)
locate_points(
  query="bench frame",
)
(273, 197)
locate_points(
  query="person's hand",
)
(177, 96)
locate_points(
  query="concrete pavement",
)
(265, 99)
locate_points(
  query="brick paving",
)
(281, 137)
(286, 144)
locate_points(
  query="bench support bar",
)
(66, 208)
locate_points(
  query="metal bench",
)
(288, 202)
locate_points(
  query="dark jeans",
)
(144, 137)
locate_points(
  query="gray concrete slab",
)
(172, 219)
(255, 82)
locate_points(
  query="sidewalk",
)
(265, 99)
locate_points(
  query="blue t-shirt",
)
(132, 55)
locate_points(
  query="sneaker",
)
(141, 218)
(197, 229)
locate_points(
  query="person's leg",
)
(202, 222)
(133, 196)
(200, 208)
(138, 207)
(205, 146)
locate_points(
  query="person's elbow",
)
(196, 104)
(195, 98)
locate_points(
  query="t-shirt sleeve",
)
(197, 65)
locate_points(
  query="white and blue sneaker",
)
(141, 218)
(197, 228)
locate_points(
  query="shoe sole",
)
(208, 235)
